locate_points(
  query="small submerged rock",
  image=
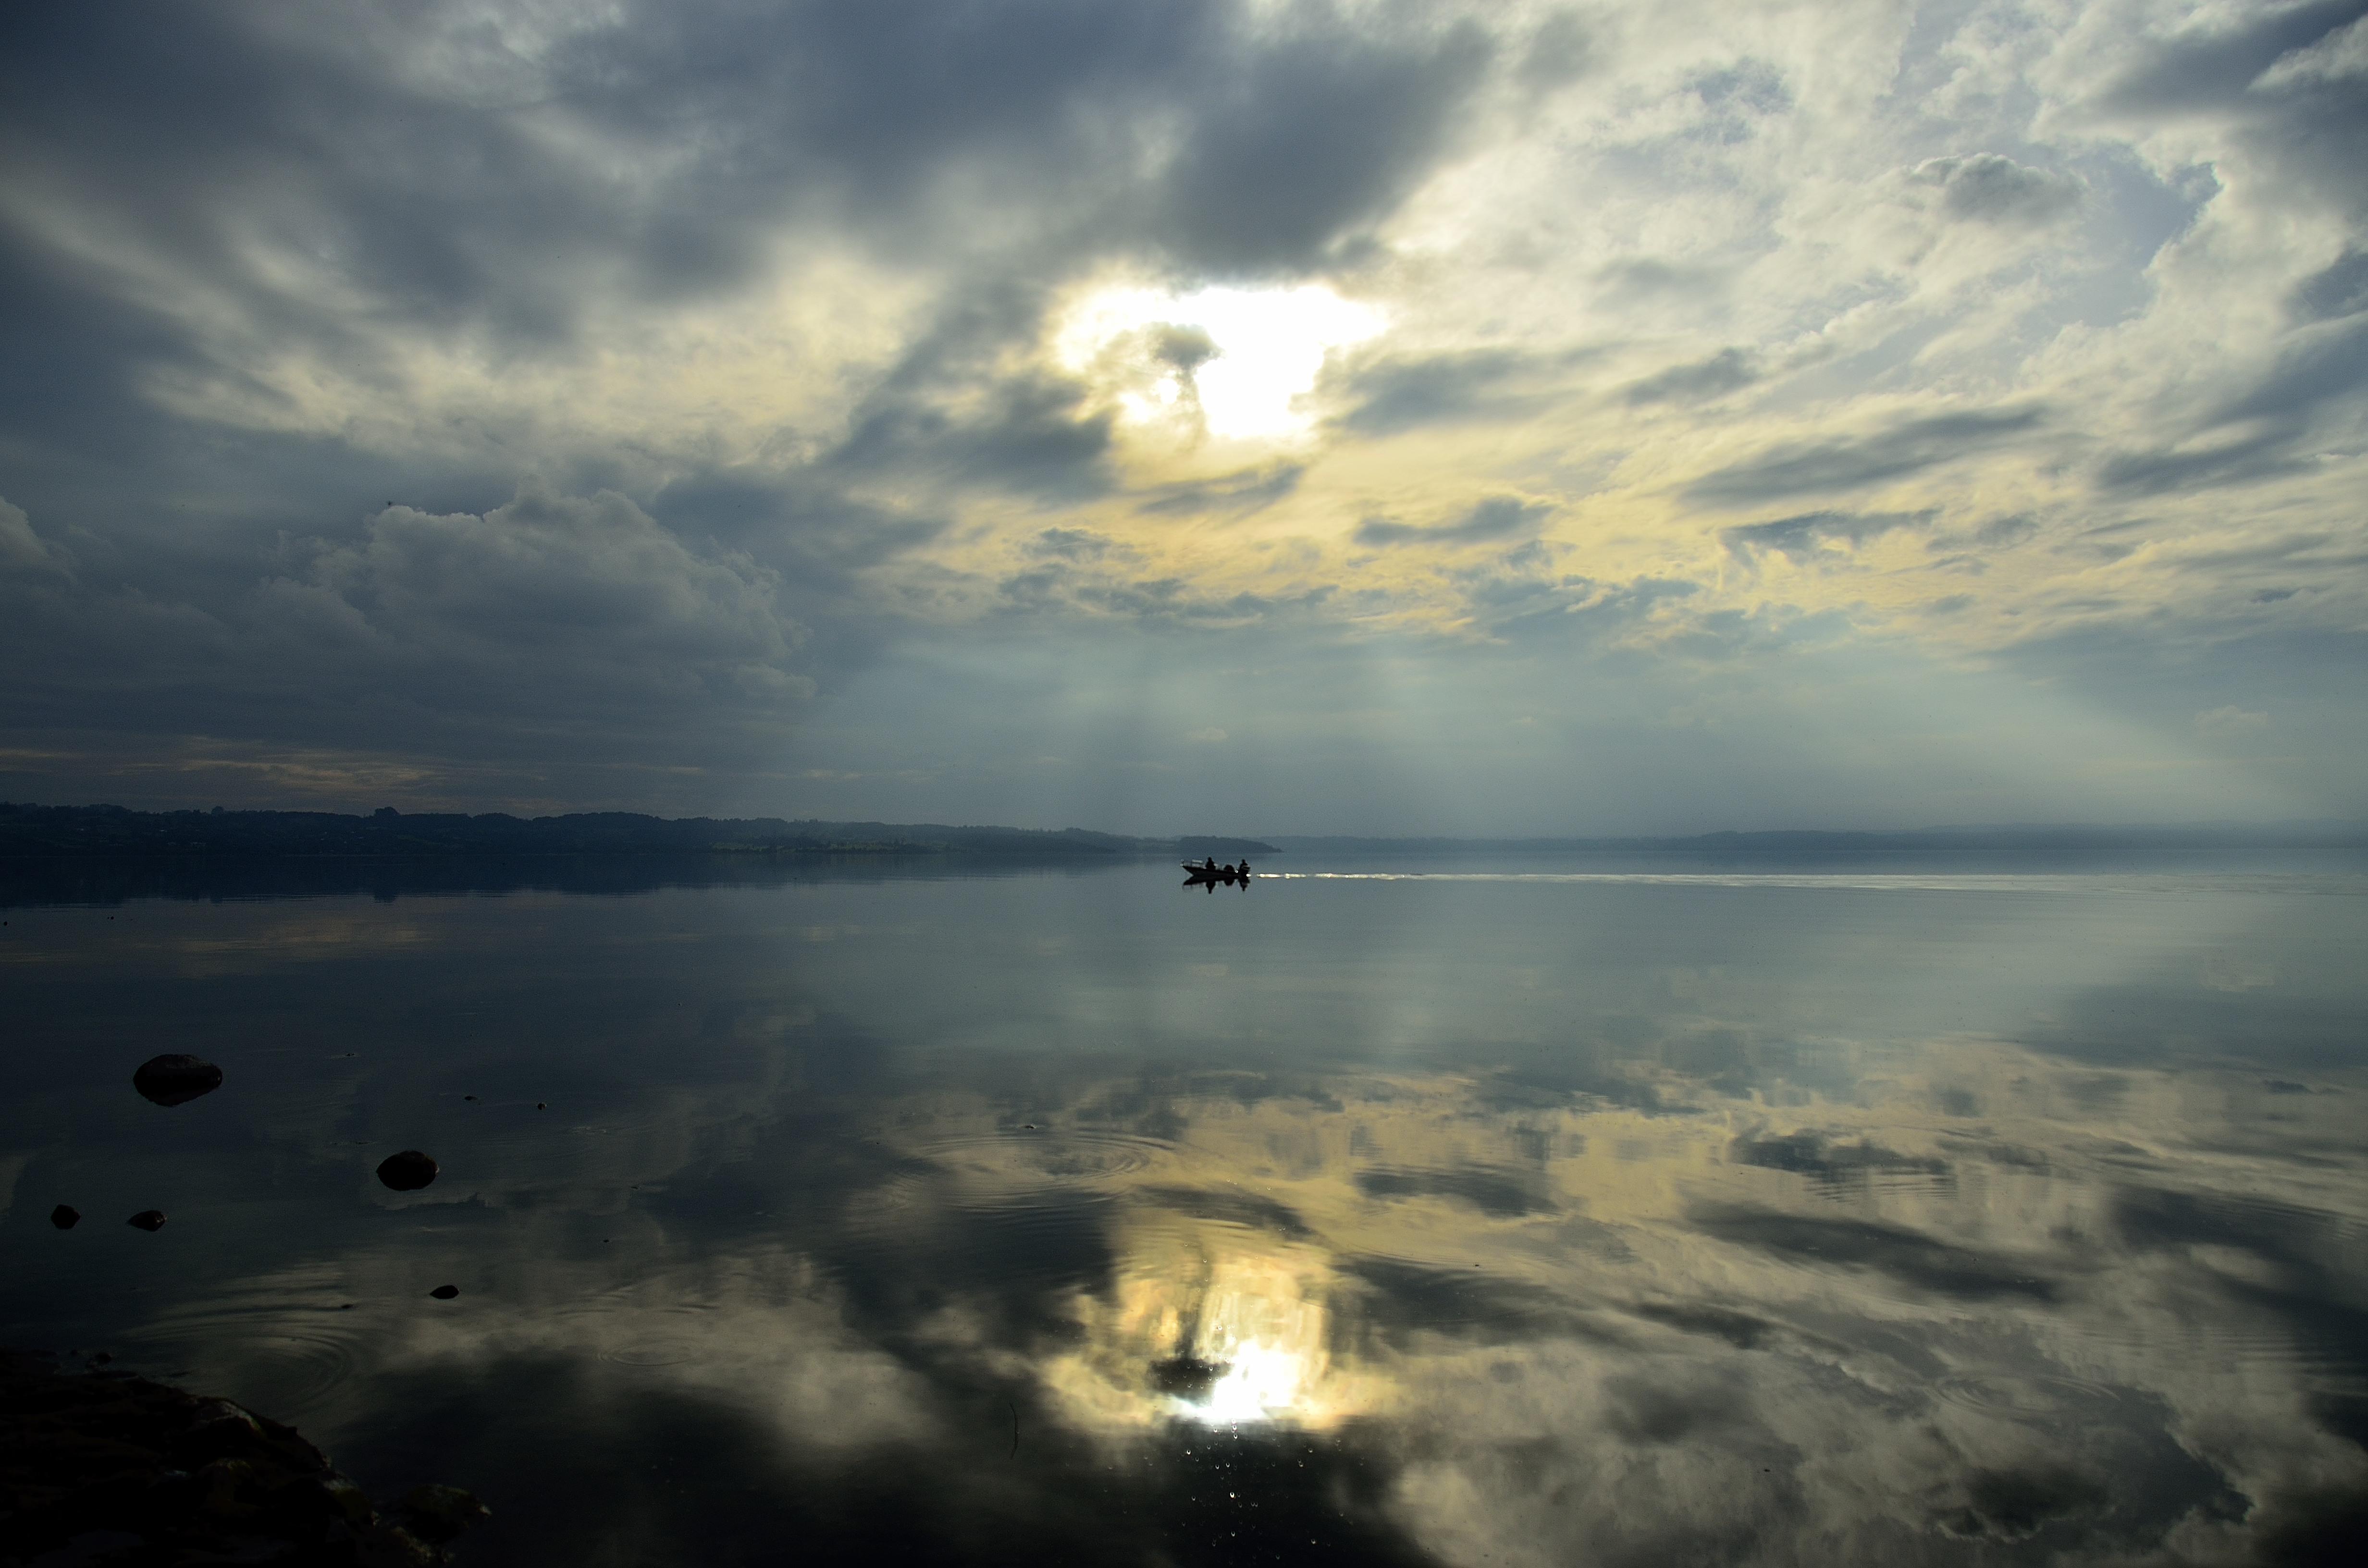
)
(175, 1079)
(445, 1292)
(65, 1217)
(406, 1171)
(148, 1220)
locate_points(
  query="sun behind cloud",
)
(1228, 363)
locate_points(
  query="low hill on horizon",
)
(50, 832)
(33, 829)
(1984, 849)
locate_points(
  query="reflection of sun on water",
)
(1212, 1326)
(1256, 1327)
(1228, 362)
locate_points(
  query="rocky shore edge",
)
(102, 1468)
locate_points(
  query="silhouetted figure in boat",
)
(1244, 873)
(1208, 874)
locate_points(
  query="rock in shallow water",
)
(148, 1220)
(175, 1079)
(406, 1171)
(65, 1217)
(438, 1514)
(188, 1480)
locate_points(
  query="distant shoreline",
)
(2041, 838)
(52, 833)
(100, 832)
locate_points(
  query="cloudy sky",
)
(1182, 415)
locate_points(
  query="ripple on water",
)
(2034, 1399)
(634, 1331)
(1023, 1205)
(292, 1349)
(996, 1169)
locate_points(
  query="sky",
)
(1189, 417)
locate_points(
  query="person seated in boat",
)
(1212, 866)
(1245, 872)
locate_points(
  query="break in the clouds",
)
(1518, 417)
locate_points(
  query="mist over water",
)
(1462, 1213)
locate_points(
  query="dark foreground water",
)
(1831, 1220)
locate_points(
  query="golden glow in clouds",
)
(1230, 362)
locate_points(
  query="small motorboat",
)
(1210, 876)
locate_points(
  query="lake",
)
(1468, 1213)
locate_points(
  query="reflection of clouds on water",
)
(1873, 1329)
(761, 1332)
(1760, 1247)
(1869, 1329)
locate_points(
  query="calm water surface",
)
(1477, 1219)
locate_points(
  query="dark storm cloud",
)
(1729, 369)
(1404, 394)
(2301, 114)
(1856, 462)
(1987, 188)
(2236, 460)
(1500, 516)
(817, 537)
(445, 201)
(575, 631)
(2197, 70)
(2273, 78)
(2330, 364)
(1035, 435)
(2261, 432)
(948, 411)
(1310, 140)
(1807, 537)
(1284, 134)
(2340, 289)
